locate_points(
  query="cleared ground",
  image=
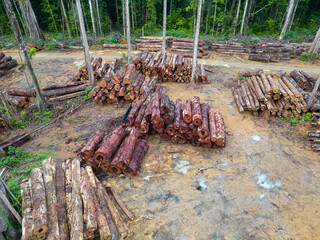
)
(263, 185)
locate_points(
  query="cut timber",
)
(221, 138)
(61, 204)
(134, 112)
(64, 85)
(91, 145)
(301, 80)
(76, 231)
(68, 174)
(212, 126)
(64, 91)
(38, 193)
(115, 167)
(266, 84)
(186, 113)
(105, 152)
(26, 210)
(139, 152)
(250, 73)
(67, 96)
(177, 114)
(15, 141)
(203, 130)
(259, 58)
(196, 111)
(22, 92)
(129, 148)
(49, 172)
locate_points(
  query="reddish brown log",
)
(91, 145)
(178, 138)
(139, 152)
(177, 114)
(134, 112)
(164, 105)
(196, 111)
(19, 101)
(92, 164)
(250, 73)
(105, 152)
(26, 92)
(63, 91)
(183, 127)
(140, 115)
(129, 74)
(156, 117)
(212, 126)
(169, 117)
(203, 129)
(170, 130)
(63, 85)
(186, 112)
(205, 142)
(114, 168)
(195, 141)
(221, 137)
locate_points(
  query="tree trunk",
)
(293, 14)
(17, 32)
(66, 18)
(195, 46)
(123, 20)
(244, 16)
(287, 21)
(24, 22)
(117, 10)
(98, 14)
(208, 12)
(236, 20)
(132, 21)
(214, 17)
(224, 14)
(164, 26)
(85, 45)
(92, 20)
(128, 31)
(315, 44)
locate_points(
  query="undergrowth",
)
(294, 121)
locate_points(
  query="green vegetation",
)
(294, 121)
(32, 52)
(243, 78)
(307, 57)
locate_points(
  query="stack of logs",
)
(99, 67)
(153, 44)
(121, 152)
(268, 94)
(168, 67)
(304, 81)
(69, 202)
(184, 47)
(314, 134)
(6, 63)
(190, 121)
(118, 86)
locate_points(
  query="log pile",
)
(99, 67)
(314, 134)
(267, 95)
(184, 47)
(168, 67)
(6, 63)
(152, 44)
(69, 202)
(263, 52)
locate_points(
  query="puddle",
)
(265, 182)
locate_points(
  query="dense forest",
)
(219, 18)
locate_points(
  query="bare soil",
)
(263, 185)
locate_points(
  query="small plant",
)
(293, 121)
(307, 117)
(32, 52)
(40, 42)
(307, 57)
(243, 78)
(69, 120)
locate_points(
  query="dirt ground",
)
(263, 185)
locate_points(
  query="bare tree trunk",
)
(92, 20)
(194, 15)
(248, 17)
(132, 21)
(315, 44)
(195, 44)
(164, 26)
(294, 13)
(214, 17)
(224, 14)
(66, 18)
(208, 12)
(117, 10)
(51, 13)
(236, 21)
(98, 13)
(128, 31)
(171, 13)
(135, 14)
(85, 44)
(123, 19)
(244, 16)
(288, 17)
(23, 23)
(17, 33)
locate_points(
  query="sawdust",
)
(222, 202)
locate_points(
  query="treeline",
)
(219, 17)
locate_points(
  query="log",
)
(301, 80)
(186, 112)
(105, 152)
(203, 129)
(221, 138)
(115, 163)
(67, 96)
(138, 154)
(129, 74)
(156, 116)
(259, 58)
(274, 86)
(212, 126)
(250, 73)
(49, 172)
(169, 117)
(134, 112)
(91, 145)
(178, 138)
(237, 100)
(164, 104)
(177, 114)
(68, 174)
(76, 231)
(89, 211)
(26, 92)
(61, 204)
(257, 88)
(64, 91)
(26, 209)
(38, 193)
(196, 111)
(64, 85)
(266, 84)
(291, 87)
(140, 115)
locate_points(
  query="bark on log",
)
(38, 193)
(64, 85)
(250, 73)
(266, 84)
(212, 126)
(68, 174)
(177, 114)
(140, 115)
(115, 163)
(138, 154)
(221, 138)
(134, 112)
(26, 209)
(301, 80)
(203, 130)
(164, 104)
(196, 111)
(187, 117)
(76, 231)
(61, 204)
(92, 144)
(169, 117)
(156, 117)
(105, 152)
(26, 92)
(275, 88)
(64, 91)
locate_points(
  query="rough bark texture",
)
(68, 174)
(115, 166)
(177, 114)
(203, 130)
(129, 148)
(196, 111)
(91, 145)
(26, 210)
(220, 130)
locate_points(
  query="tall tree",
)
(128, 31)
(315, 44)
(214, 17)
(293, 14)
(164, 26)
(85, 44)
(287, 21)
(66, 18)
(19, 38)
(208, 12)
(52, 16)
(195, 43)
(244, 16)
(98, 15)
(123, 19)
(236, 20)
(92, 20)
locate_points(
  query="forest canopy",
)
(263, 17)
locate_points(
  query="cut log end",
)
(40, 230)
